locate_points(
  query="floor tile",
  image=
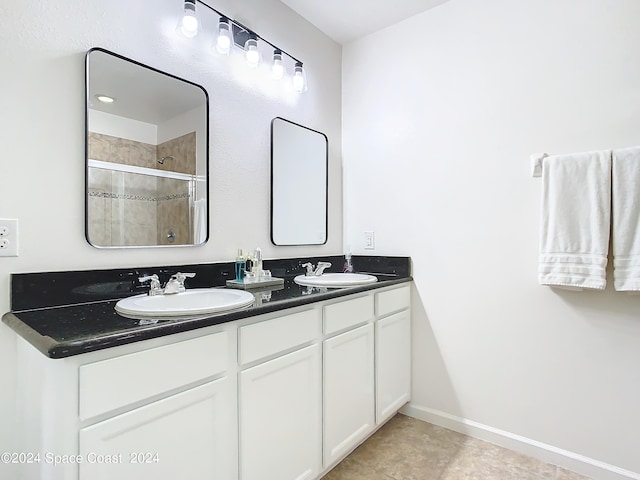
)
(409, 449)
(479, 460)
(568, 475)
(349, 469)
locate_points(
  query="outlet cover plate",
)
(8, 237)
(369, 240)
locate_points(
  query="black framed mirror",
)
(299, 184)
(147, 144)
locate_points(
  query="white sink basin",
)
(197, 301)
(335, 280)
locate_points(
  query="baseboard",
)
(546, 453)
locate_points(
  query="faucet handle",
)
(309, 266)
(180, 277)
(144, 278)
(176, 282)
(321, 267)
(155, 283)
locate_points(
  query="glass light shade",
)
(223, 42)
(251, 51)
(277, 68)
(299, 78)
(189, 23)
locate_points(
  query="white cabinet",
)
(393, 351)
(347, 314)
(348, 391)
(261, 340)
(125, 380)
(393, 364)
(281, 396)
(162, 408)
(181, 436)
(280, 417)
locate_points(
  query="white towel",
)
(576, 206)
(626, 219)
(199, 221)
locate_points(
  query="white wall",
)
(118, 126)
(42, 47)
(440, 115)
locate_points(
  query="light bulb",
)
(277, 68)
(189, 22)
(223, 42)
(251, 49)
(105, 98)
(299, 80)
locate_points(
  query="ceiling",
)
(346, 20)
(141, 93)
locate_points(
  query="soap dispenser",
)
(348, 266)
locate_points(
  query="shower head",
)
(161, 160)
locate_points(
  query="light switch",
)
(369, 240)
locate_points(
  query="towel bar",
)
(536, 164)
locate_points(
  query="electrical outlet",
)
(8, 237)
(369, 240)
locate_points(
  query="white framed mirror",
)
(299, 184)
(147, 140)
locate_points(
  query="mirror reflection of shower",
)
(146, 156)
(138, 206)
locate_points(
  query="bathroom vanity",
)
(282, 390)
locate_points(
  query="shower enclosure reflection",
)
(140, 206)
(146, 156)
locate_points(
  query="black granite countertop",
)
(88, 322)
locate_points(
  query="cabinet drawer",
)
(263, 339)
(348, 313)
(184, 436)
(392, 300)
(121, 381)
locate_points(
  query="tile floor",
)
(409, 449)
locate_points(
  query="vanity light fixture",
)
(277, 67)
(223, 42)
(232, 32)
(189, 22)
(251, 50)
(299, 78)
(105, 98)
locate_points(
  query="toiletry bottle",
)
(257, 266)
(241, 265)
(248, 277)
(348, 267)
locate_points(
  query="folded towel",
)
(626, 219)
(576, 206)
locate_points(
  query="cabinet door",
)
(280, 418)
(393, 364)
(348, 391)
(185, 436)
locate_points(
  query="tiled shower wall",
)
(133, 209)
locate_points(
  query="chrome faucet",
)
(319, 270)
(156, 288)
(174, 285)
